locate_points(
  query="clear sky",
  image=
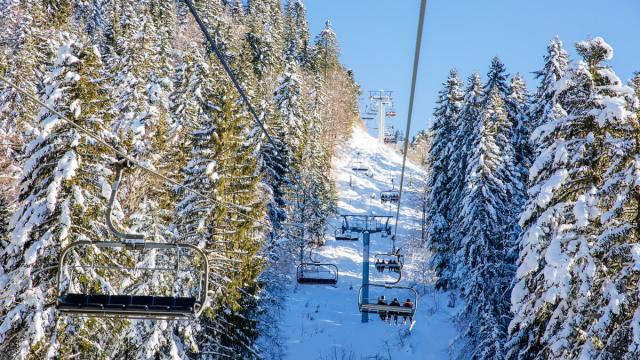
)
(377, 39)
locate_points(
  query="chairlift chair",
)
(390, 139)
(392, 261)
(359, 166)
(370, 305)
(381, 225)
(317, 274)
(392, 196)
(345, 234)
(182, 263)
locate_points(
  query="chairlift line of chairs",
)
(188, 261)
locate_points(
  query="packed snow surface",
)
(323, 321)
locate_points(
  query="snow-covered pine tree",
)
(561, 279)
(635, 83)
(265, 37)
(556, 61)
(460, 152)
(484, 217)
(25, 57)
(497, 77)
(296, 33)
(517, 105)
(539, 216)
(326, 51)
(132, 67)
(449, 105)
(337, 88)
(223, 163)
(606, 301)
(63, 193)
(4, 223)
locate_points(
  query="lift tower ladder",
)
(382, 99)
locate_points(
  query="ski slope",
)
(322, 321)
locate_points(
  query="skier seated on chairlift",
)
(379, 265)
(407, 304)
(383, 314)
(393, 265)
(395, 302)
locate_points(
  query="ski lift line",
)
(414, 75)
(87, 132)
(232, 76)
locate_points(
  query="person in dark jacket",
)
(395, 302)
(407, 304)
(383, 314)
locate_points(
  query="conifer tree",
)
(446, 118)
(24, 60)
(483, 219)
(460, 153)
(497, 77)
(296, 33)
(565, 247)
(612, 306)
(635, 83)
(265, 37)
(326, 51)
(556, 61)
(517, 105)
(4, 222)
(63, 193)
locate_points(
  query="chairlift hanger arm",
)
(120, 166)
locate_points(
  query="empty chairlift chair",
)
(317, 274)
(183, 271)
(352, 226)
(346, 235)
(359, 166)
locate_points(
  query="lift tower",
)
(382, 99)
(366, 225)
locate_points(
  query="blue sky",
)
(377, 39)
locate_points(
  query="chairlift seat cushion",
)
(184, 304)
(140, 302)
(118, 301)
(73, 300)
(127, 303)
(98, 301)
(308, 280)
(347, 237)
(162, 303)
